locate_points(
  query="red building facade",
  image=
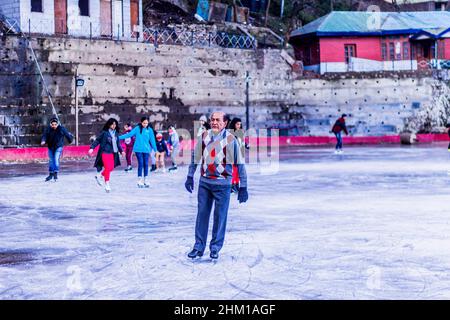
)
(394, 48)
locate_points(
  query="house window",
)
(350, 51)
(383, 51)
(413, 52)
(36, 6)
(84, 7)
(405, 50)
(391, 51)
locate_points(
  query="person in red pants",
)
(235, 128)
(129, 143)
(108, 153)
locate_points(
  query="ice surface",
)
(372, 223)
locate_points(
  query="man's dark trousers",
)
(208, 194)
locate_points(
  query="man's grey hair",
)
(224, 115)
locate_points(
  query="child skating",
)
(161, 151)
(129, 143)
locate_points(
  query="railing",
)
(195, 38)
(169, 36)
(439, 64)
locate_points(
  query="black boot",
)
(195, 253)
(55, 176)
(214, 254)
(153, 168)
(50, 177)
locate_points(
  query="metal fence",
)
(200, 39)
(155, 35)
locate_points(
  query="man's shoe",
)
(214, 254)
(195, 253)
(50, 177)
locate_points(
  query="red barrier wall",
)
(40, 153)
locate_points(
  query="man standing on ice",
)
(217, 150)
(337, 129)
(54, 136)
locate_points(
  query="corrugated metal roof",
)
(370, 23)
(413, 1)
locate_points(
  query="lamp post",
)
(247, 100)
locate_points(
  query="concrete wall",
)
(175, 85)
(10, 8)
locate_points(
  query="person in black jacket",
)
(54, 136)
(162, 149)
(337, 129)
(448, 131)
(108, 153)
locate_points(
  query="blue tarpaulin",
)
(203, 9)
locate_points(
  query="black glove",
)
(189, 184)
(242, 195)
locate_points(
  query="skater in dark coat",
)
(216, 152)
(337, 129)
(108, 153)
(448, 132)
(54, 136)
(236, 129)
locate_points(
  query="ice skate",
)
(214, 255)
(140, 183)
(173, 169)
(99, 179)
(195, 253)
(55, 176)
(50, 177)
(107, 187)
(129, 168)
(153, 168)
(146, 183)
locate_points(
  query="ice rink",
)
(372, 223)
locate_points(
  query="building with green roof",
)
(373, 41)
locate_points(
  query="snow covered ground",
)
(372, 223)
